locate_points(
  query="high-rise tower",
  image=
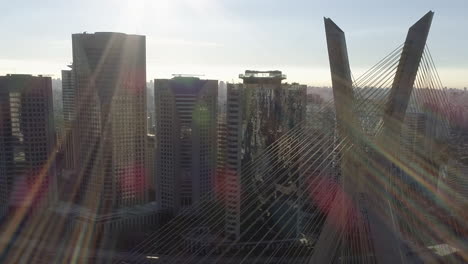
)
(68, 97)
(27, 141)
(259, 112)
(110, 80)
(186, 125)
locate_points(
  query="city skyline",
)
(141, 158)
(226, 37)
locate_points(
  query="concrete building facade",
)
(186, 125)
(151, 166)
(27, 142)
(110, 107)
(259, 112)
(68, 97)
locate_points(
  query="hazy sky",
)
(222, 38)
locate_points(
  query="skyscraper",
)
(220, 181)
(27, 142)
(259, 112)
(186, 126)
(151, 165)
(68, 97)
(110, 107)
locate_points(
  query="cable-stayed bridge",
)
(387, 145)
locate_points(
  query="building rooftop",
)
(262, 74)
(25, 75)
(106, 33)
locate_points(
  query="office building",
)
(259, 112)
(109, 70)
(220, 180)
(151, 166)
(186, 125)
(68, 97)
(27, 142)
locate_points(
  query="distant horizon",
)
(322, 75)
(149, 80)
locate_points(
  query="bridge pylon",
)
(379, 239)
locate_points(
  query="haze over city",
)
(220, 38)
